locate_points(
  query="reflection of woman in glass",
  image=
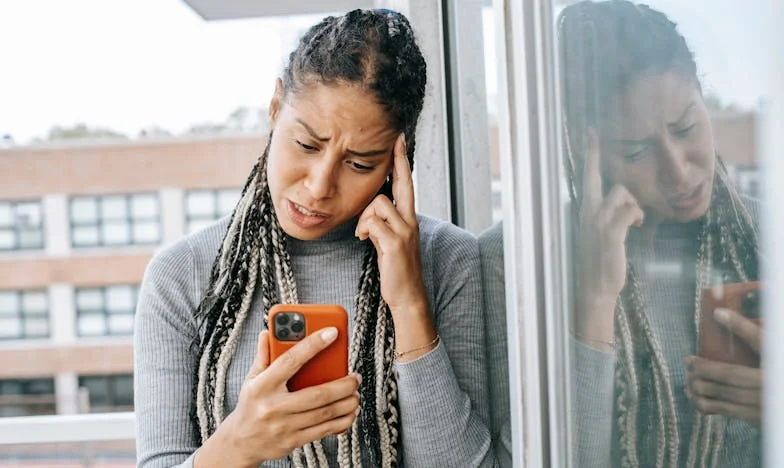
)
(316, 223)
(658, 220)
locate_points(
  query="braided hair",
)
(375, 49)
(603, 48)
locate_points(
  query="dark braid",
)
(603, 48)
(376, 50)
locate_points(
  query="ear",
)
(276, 102)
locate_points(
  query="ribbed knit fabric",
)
(442, 395)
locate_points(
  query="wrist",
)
(595, 318)
(223, 449)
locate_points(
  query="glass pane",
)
(89, 299)
(28, 215)
(31, 239)
(85, 236)
(227, 199)
(11, 387)
(9, 303)
(36, 328)
(121, 324)
(10, 327)
(115, 233)
(84, 210)
(7, 239)
(114, 208)
(660, 140)
(200, 203)
(34, 303)
(91, 325)
(146, 232)
(6, 215)
(144, 206)
(120, 298)
(123, 390)
(98, 390)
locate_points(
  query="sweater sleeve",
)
(164, 361)
(592, 410)
(443, 395)
(492, 256)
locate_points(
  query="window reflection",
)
(659, 221)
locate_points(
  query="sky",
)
(128, 65)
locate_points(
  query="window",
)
(108, 393)
(27, 397)
(203, 207)
(106, 311)
(114, 220)
(21, 225)
(24, 314)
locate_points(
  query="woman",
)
(316, 224)
(658, 220)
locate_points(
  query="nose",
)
(321, 180)
(673, 166)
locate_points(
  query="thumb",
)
(261, 362)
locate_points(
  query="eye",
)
(635, 156)
(360, 167)
(306, 147)
(685, 131)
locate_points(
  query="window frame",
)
(129, 220)
(15, 230)
(103, 312)
(216, 214)
(22, 317)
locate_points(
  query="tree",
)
(81, 131)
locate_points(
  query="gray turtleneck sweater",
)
(442, 395)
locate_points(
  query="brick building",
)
(78, 224)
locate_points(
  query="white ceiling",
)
(233, 9)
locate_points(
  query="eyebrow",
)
(363, 154)
(645, 141)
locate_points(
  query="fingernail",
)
(359, 379)
(329, 334)
(722, 315)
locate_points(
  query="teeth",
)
(304, 211)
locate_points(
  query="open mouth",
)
(304, 217)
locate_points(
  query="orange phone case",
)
(716, 342)
(328, 365)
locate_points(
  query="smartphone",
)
(290, 323)
(716, 342)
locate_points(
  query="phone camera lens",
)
(282, 333)
(282, 319)
(751, 304)
(297, 326)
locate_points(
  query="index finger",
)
(740, 326)
(402, 184)
(284, 368)
(592, 176)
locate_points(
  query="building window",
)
(203, 207)
(115, 220)
(28, 397)
(24, 314)
(108, 393)
(21, 225)
(106, 311)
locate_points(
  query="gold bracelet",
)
(403, 353)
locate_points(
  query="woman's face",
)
(330, 153)
(659, 145)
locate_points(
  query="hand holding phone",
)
(270, 421)
(717, 342)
